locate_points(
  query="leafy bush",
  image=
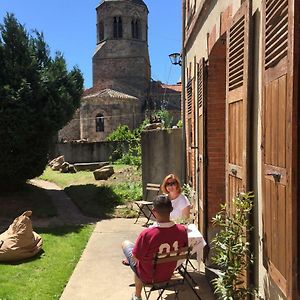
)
(130, 154)
(122, 133)
(232, 251)
(179, 124)
(165, 117)
(188, 191)
(38, 96)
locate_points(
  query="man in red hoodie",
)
(164, 236)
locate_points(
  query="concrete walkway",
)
(100, 274)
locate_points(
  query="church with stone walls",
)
(121, 73)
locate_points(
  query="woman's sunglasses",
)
(171, 183)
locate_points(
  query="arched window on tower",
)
(99, 123)
(135, 29)
(101, 31)
(118, 29)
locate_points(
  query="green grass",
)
(67, 179)
(45, 277)
(100, 198)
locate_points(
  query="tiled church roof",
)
(109, 93)
(139, 2)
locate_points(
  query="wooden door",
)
(237, 102)
(279, 121)
(201, 174)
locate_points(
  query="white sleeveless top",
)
(179, 204)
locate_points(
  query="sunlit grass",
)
(46, 276)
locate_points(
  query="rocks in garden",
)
(72, 169)
(56, 163)
(64, 167)
(92, 166)
(153, 126)
(67, 168)
(103, 173)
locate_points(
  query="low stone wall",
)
(86, 152)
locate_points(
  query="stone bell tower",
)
(121, 59)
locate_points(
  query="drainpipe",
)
(183, 169)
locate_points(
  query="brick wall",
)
(216, 129)
(225, 19)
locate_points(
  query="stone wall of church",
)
(125, 60)
(126, 73)
(115, 112)
(71, 131)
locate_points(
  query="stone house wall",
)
(115, 112)
(72, 130)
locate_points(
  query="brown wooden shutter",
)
(190, 131)
(279, 141)
(237, 102)
(201, 174)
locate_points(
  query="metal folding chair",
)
(145, 206)
(180, 275)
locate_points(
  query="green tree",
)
(38, 96)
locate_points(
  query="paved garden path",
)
(99, 274)
(67, 211)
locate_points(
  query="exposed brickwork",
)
(211, 39)
(216, 130)
(225, 19)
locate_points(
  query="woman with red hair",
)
(181, 205)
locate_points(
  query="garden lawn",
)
(101, 198)
(45, 277)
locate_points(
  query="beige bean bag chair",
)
(19, 241)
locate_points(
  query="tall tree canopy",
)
(38, 96)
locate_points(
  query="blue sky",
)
(70, 27)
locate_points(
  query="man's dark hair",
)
(162, 204)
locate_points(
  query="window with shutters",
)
(190, 11)
(238, 66)
(236, 54)
(200, 84)
(190, 130)
(276, 34)
(276, 149)
(189, 90)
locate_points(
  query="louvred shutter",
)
(237, 102)
(279, 143)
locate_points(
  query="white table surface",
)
(195, 238)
